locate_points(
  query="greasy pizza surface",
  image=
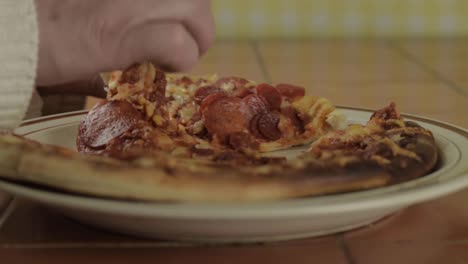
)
(187, 115)
(163, 137)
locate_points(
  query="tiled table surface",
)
(424, 77)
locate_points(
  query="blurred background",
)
(256, 19)
(361, 53)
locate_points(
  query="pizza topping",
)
(141, 138)
(336, 119)
(291, 114)
(225, 116)
(106, 121)
(131, 75)
(184, 81)
(292, 92)
(195, 125)
(202, 151)
(253, 126)
(272, 96)
(232, 83)
(209, 100)
(202, 92)
(186, 112)
(159, 86)
(268, 126)
(243, 92)
(256, 103)
(386, 113)
(242, 140)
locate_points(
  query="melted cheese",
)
(228, 87)
(321, 114)
(203, 144)
(157, 120)
(337, 120)
(397, 150)
(198, 126)
(304, 104)
(113, 79)
(186, 113)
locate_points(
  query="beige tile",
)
(363, 74)
(409, 253)
(448, 57)
(329, 253)
(231, 58)
(426, 98)
(444, 219)
(462, 84)
(336, 61)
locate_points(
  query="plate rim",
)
(288, 207)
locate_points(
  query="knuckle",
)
(183, 48)
(101, 38)
(178, 37)
(185, 60)
(189, 61)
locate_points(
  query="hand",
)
(79, 38)
(93, 86)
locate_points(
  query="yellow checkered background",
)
(340, 18)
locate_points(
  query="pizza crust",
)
(167, 179)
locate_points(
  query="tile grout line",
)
(260, 61)
(344, 247)
(426, 68)
(8, 211)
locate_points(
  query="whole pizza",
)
(174, 137)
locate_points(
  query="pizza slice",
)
(402, 147)
(171, 137)
(204, 114)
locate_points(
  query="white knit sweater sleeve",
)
(18, 58)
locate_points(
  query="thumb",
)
(168, 45)
(93, 86)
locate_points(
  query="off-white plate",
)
(243, 222)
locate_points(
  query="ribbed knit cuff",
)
(18, 56)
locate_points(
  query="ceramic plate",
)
(260, 221)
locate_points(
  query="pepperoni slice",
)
(253, 126)
(158, 91)
(243, 92)
(386, 113)
(292, 92)
(268, 126)
(291, 113)
(131, 75)
(105, 121)
(202, 92)
(240, 140)
(209, 100)
(265, 126)
(256, 103)
(271, 94)
(130, 144)
(225, 116)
